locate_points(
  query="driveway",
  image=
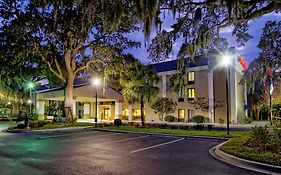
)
(97, 152)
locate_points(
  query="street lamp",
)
(30, 86)
(226, 61)
(29, 101)
(96, 83)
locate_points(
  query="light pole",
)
(96, 83)
(226, 62)
(29, 101)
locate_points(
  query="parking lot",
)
(97, 152)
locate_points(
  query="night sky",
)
(249, 52)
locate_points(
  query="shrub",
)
(169, 118)
(20, 126)
(199, 127)
(259, 138)
(173, 127)
(210, 127)
(221, 121)
(277, 123)
(248, 120)
(276, 140)
(117, 122)
(198, 119)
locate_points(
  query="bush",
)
(199, 127)
(210, 127)
(169, 118)
(20, 126)
(248, 120)
(277, 123)
(221, 121)
(198, 119)
(117, 122)
(173, 127)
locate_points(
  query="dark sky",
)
(249, 52)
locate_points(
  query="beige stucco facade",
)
(209, 82)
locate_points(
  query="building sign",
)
(242, 62)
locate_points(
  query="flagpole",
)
(270, 99)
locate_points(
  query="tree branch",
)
(59, 75)
(87, 65)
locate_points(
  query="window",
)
(125, 114)
(191, 94)
(181, 115)
(137, 113)
(107, 113)
(191, 77)
(191, 113)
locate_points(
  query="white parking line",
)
(158, 145)
(118, 141)
(63, 135)
(82, 138)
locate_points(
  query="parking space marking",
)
(127, 139)
(64, 135)
(158, 145)
(82, 138)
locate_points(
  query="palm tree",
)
(138, 85)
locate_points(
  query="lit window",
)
(125, 113)
(181, 115)
(191, 93)
(136, 112)
(191, 77)
(107, 112)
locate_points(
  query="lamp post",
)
(29, 101)
(96, 83)
(226, 62)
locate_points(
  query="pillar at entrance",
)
(211, 95)
(74, 109)
(130, 115)
(118, 110)
(86, 111)
(40, 109)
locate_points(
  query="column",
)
(232, 95)
(86, 111)
(74, 109)
(118, 110)
(40, 109)
(211, 95)
(130, 115)
(164, 85)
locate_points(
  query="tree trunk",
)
(16, 109)
(68, 99)
(142, 112)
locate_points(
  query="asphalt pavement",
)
(104, 153)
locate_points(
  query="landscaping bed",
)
(48, 125)
(254, 147)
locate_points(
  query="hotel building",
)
(206, 78)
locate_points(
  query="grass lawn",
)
(188, 132)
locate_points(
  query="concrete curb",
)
(159, 134)
(243, 163)
(49, 130)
